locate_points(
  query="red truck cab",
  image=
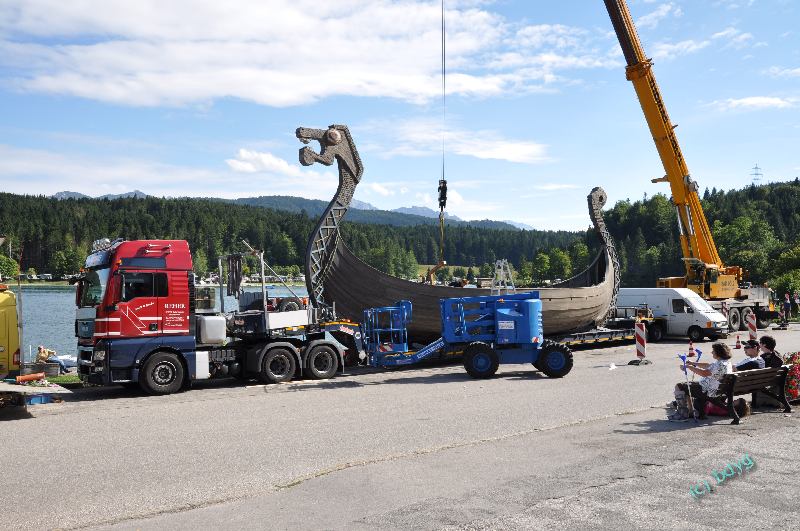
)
(134, 297)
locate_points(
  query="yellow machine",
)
(9, 333)
(705, 272)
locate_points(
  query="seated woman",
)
(711, 376)
(751, 359)
(45, 355)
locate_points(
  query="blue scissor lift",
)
(490, 330)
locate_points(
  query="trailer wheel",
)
(322, 363)
(162, 374)
(734, 319)
(289, 305)
(278, 366)
(555, 359)
(655, 332)
(480, 360)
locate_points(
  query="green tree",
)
(579, 254)
(747, 242)
(540, 268)
(525, 274)
(459, 272)
(486, 271)
(8, 267)
(200, 262)
(471, 274)
(560, 264)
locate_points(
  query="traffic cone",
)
(738, 343)
(690, 354)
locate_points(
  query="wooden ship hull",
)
(577, 304)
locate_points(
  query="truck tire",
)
(481, 360)
(655, 332)
(162, 374)
(734, 319)
(322, 363)
(695, 333)
(746, 312)
(763, 325)
(555, 359)
(290, 304)
(277, 366)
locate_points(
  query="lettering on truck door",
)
(174, 303)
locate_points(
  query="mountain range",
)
(360, 211)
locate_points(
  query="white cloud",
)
(423, 137)
(754, 103)
(555, 186)
(665, 50)
(735, 38)
(23, 170)
(783, 72)
(380, 189)
(278, 53)
(651, 20)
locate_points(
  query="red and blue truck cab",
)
(137, 324)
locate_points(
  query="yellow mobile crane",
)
(705, 273)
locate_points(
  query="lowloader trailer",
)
(137, 324)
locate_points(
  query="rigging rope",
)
(443, 182)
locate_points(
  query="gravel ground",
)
(391, 450)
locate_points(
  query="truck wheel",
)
(734, 319)
(695, 333)
(655, 332)
(278, 366)
(480, 360)
(291, 304)
(555, 359)
(322, 363)
(746, 312)
(162, 374)
(762, 324)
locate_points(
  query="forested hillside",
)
(756, 227)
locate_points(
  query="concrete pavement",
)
(425, 447)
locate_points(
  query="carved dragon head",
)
(335, 143)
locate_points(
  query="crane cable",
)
(443, 182)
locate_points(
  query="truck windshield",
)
(94, 287)
(699, 304)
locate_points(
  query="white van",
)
(677, 312)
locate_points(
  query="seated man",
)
(45, 355)
(751, 360)
(772, 358)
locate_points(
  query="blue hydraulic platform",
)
(490, 330)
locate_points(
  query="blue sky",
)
(202, 98)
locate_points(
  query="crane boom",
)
(705, 272)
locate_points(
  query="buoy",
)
(738, 343)
(691, 350)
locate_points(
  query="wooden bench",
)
(771, 382)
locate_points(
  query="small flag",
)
(699, 353)
(683, 358)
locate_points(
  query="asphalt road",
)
(426, 448)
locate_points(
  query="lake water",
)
(48, 316)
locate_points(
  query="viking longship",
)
(338, 280)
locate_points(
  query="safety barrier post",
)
(751, 325)
(641, 345)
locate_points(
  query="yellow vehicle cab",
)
(9, 334)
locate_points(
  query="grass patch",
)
(64, 379)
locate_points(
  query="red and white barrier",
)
(751, 325)
(641, 341)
